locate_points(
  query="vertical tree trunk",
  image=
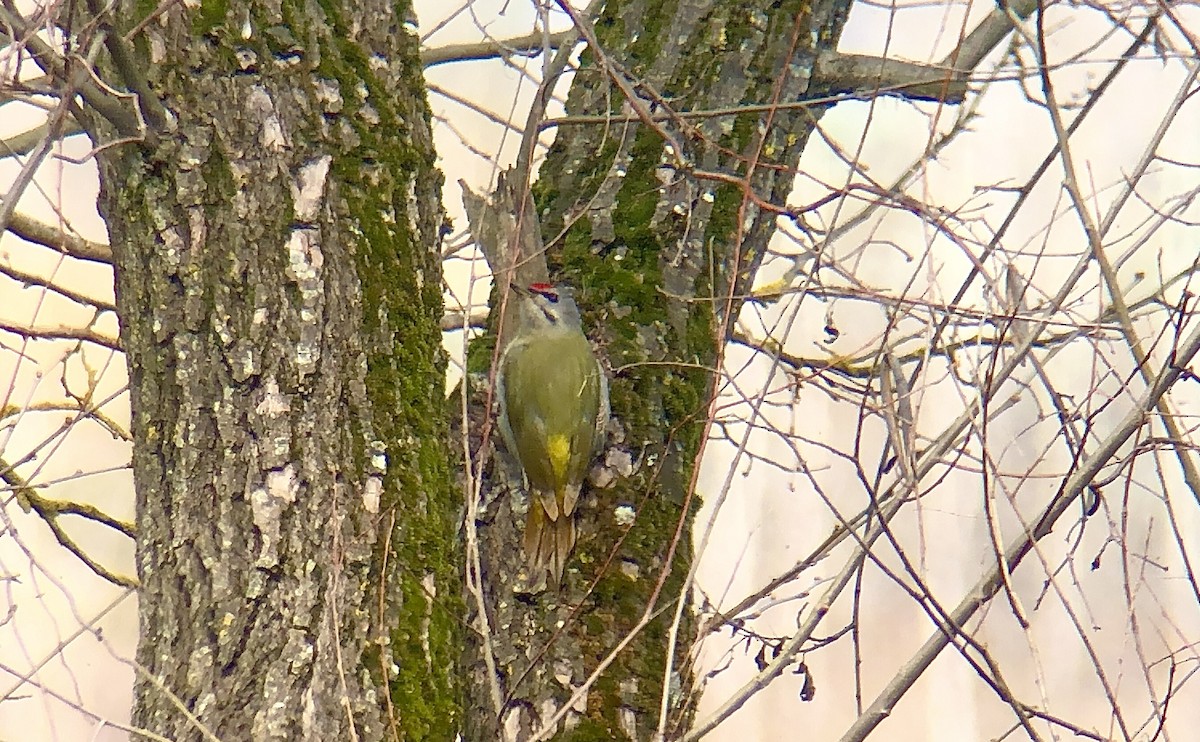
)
(279, 286)
(657, 255)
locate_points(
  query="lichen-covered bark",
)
(279, 288)
(653, 251)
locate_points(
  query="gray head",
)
(546, 306)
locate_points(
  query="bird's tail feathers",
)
(548, 541)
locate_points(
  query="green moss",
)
(662, 391)
(402, 300)
(586, 178)
(480, 352)
(209, 16)
(639, 194)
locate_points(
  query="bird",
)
(553, 410)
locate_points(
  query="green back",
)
(552, 388)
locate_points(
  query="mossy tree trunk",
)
(275, 235)
(279, 289)
(658, 253)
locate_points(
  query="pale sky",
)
(73, 633)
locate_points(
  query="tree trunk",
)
(658, 254)
(279, 288)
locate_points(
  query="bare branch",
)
(1021, 547)
(28, 228)
(30, 279)
(981, 41)
(945, 81)
(26, 141)
(475, 319)
(859, 74)
(49, 510)
(130, 72)
(109, 104)
(530, 44)
(472, 105)
(62, 332)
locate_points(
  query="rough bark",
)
(279, 287)
(655, 252)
